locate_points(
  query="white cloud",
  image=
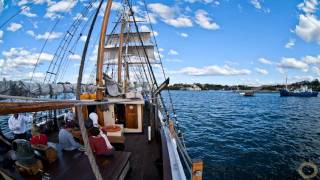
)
(213, 71)
(308, 6)
(14, 27)
(46, 35)
(30, 32)
(292, 63)
(256, 4)
(264, 61)
(116, 6)
(1, 36)
(83, 38)
(311, 59)
(290, 43)
(180, 22)
(173, 52)
(184, 35)
(262, 71)
(26, 12)
(75, 57)
(316, 70)
(308, 28)
(62, 6)
(80, 16)
(204, 21)
(17, 62)
(144, 28)
(170, 15)
(24, 2)
(36, 75)
(302, 78)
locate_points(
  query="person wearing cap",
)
(94, 117)
(18, 125)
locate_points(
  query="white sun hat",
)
(94, 117)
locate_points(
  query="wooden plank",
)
(116, 139)
(21, 107)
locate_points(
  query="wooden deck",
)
(75, 164)
(145, 161)
(145, 158)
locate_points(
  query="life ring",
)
(310, 165)
(112, 128)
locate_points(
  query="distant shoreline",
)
(260, 91)
(314, 85)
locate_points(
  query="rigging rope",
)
(66, 64)
(147, 58)
(91, 157)
(159, 56)
(13, 16)
(60, 54)
(42, 48)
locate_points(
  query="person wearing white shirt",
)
(18, 125)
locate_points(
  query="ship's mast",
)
(100, 60)
(120, 55)
(286, 82)
(123, 57)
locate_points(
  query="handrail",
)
(194, 167)
(167, 174)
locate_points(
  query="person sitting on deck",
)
(100, 145)
(38, 138)
(66, 139)
(18, 125)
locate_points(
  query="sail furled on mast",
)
(132, 48)
(134, 52)
(132, 37)
(27, 89)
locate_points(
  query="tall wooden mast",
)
(120, 54)
(100, 60)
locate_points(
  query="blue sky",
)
(208, 41)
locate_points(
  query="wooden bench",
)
(112, 139)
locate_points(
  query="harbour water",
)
(260, 137)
